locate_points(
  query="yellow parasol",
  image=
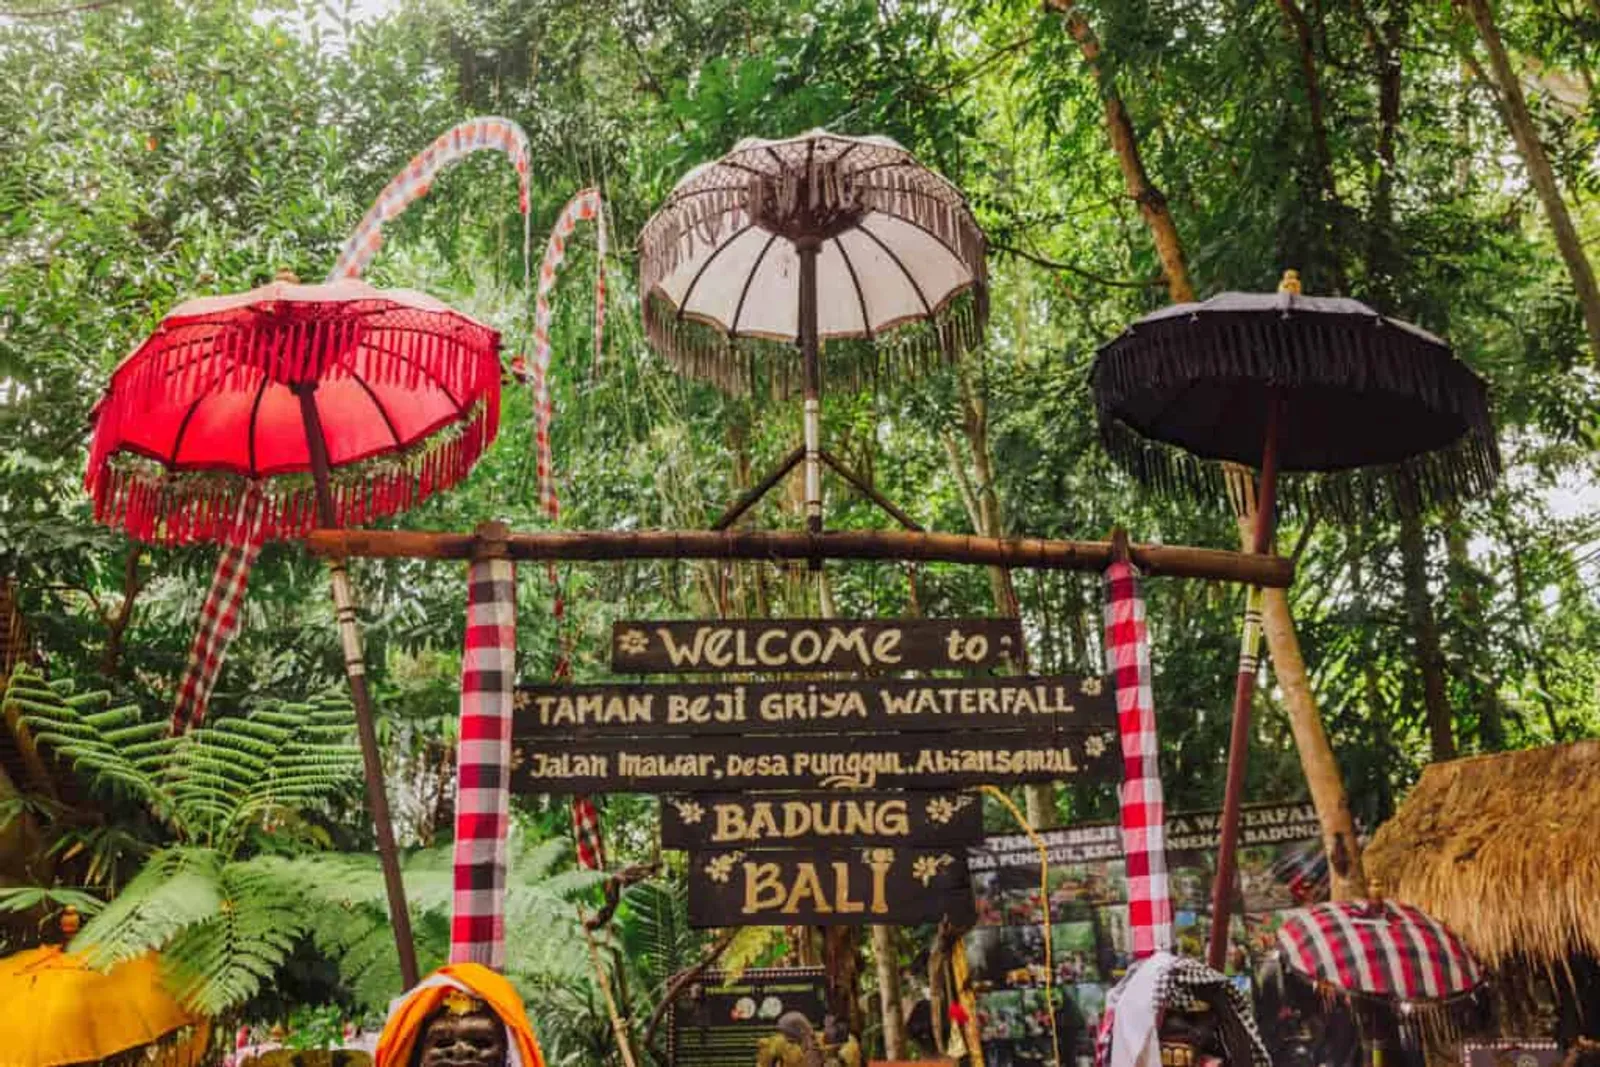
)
(56, 1009)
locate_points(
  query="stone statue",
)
(462, 1032)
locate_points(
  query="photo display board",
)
(713, 1024)
(1280, 866)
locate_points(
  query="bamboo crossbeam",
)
(1173, 561)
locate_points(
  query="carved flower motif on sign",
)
(690, 812)
(720, 868)
(633, 642)
(925, 868)
(942, 809)
(1091, 686)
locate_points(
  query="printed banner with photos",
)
(1280, 867)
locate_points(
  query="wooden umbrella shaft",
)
(356, 671)
(811, 361)
(1244, 690)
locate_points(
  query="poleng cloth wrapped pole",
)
(1143, 807)
(483, 765)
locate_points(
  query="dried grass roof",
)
(1505, 849)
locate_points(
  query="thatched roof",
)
(1505, 849)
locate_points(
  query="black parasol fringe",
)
(1319, 349)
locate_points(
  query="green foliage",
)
(152, 150)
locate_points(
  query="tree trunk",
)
(1425, 631)
(1347, 881)
(1316, 111)
(1119, 128)
(1476, 666)
(1540, 173)
(888, 966)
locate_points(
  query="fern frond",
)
(220, 963)
(178, 888)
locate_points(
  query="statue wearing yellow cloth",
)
(462, 1015)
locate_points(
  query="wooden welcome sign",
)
(831, 887)
(720, 763)
(857, 645)
(910, 705)
(839, 819)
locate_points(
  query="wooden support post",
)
(1173, 561)
(356, 671)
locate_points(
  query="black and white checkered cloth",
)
(1182, 979)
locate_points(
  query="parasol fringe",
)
(1254, 347)
(907, 353)
(172, 507)
(1419, 1024)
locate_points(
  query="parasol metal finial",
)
(1375, 890)
(286, 275)
(1290, 283)
(70, 922)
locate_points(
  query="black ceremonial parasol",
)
(1365, 413)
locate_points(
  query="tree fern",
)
(223, 921)
(224, 960)
(178, 888)
(111, 747)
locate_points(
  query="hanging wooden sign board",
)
(599, 711)
(712, 646)
(720, 764)
(835, 818)
(829, 887)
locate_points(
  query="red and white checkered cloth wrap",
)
(585, 205)
(1381, 948)
(1143, 810)
(585, 816)
(483, 765)
(413, 182)
(219, 615)
(586, 833)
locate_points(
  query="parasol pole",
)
(808, 247)
(1244, 689)
(355, 668)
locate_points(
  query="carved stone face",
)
(476, 1039)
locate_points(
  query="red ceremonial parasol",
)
(228, 397)
(262, 414)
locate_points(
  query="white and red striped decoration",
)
(1143, 807)
(586, 205)
(412, 183)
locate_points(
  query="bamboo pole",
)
(1173, 561)
(356, 671)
